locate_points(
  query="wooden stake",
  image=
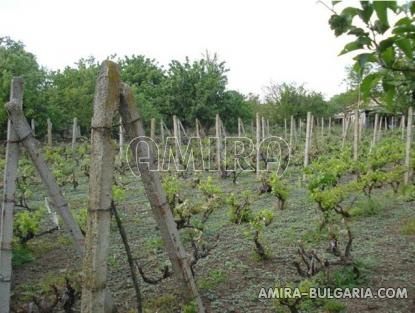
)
(121, 139)
(197, 128)
(74, 131)
(176, 135)
(218, 143)
(32, 125)
(49, 133)
(356, 135)
(161, 131)
(153, 128)
(291, 130)
(258, 140)
(408, 173)
(307, 139)
(375, 128)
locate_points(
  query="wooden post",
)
(218, 142)
(49, 133)
(153, 128)
(32, 125)
(161, 131)
(356, 134)
(9, 185)
(329, 130)
(268, 131)
(176, 135)
(300, 126)
(257, 144)
(379, 131)
(311, 129)
(121, 140)
(285, 128)
(291, 130)
(403, 126)
(197, 128)
(263, 127)
(345, 130)
(408, 173)
(239, 127)
(375, 136)
(158, 202)
(307, 139)
(322, 127)
(74, 131)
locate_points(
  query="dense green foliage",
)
(386, 50)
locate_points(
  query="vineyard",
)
(133, 188)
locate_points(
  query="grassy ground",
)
(230, 278)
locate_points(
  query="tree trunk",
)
(6, 216)
(408, 147)
(157, 198)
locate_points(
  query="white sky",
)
(261, 41)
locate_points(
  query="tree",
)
(16, 61)
(288, 99)
(389, 50)
(196, 90)
(70, 93)
(148, 81)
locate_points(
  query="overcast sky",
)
(261, 41)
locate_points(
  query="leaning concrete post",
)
(106, 102)
(408, 146)
(33, 149)
(157, 198)
(49, 133)
(6, 216)
(74, 131)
